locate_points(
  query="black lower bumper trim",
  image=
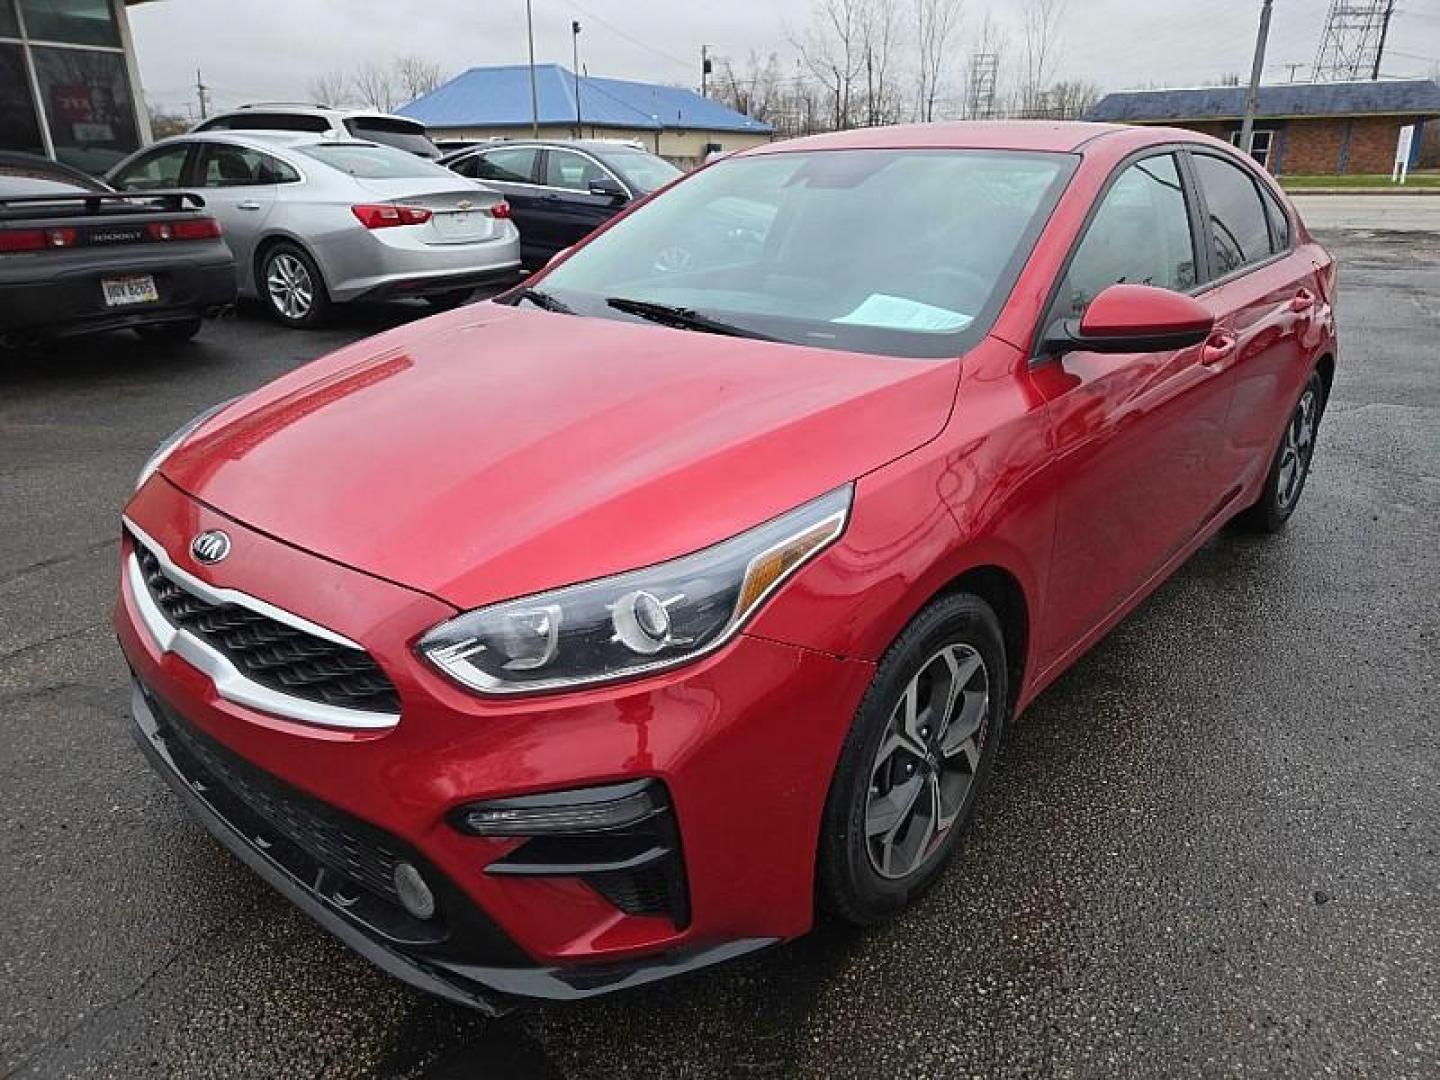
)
(491, 989)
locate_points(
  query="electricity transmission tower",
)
(1354, 40)
(980, 97)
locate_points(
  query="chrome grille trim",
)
(230, 683)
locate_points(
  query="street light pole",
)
(575, 59)
(1252, 95)
(534, 91)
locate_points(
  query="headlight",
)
(637, 622)
(175, 438)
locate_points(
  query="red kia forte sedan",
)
(607, 630)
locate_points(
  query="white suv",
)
(397, 131)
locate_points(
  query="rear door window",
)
(1239, 232)
(1140, 235)
(268, 121)
(222, 165)
(515, 165)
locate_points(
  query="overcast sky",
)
(270, 49)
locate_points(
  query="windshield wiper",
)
(544, 300)
(682, 318)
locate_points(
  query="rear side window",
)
(515, 166)
(267, 121)
(240, 166)
(1279, 221)
(1140, 236)
(1237, 225)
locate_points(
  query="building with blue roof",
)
(1300, 128)
(491, 102)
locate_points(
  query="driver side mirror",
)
(605, 187)
(1133, 319)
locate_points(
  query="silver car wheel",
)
(927, 761)
(1296, 450)
(288, 282)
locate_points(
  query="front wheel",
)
(1290, 467)
(292, 288)
(917, 757)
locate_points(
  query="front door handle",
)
(1302, 301)
(1219, 349)
(248, 204)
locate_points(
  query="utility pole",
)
(1380, 49)
(575, 57)
(1252, 95)
(534, 92)
(203, 92)
(705, 69)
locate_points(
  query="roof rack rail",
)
(273, 104)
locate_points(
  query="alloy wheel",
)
(290, 287)
(927, 761)
(1296, 450)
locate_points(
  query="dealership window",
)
(19, 126)
(87, 102)
(1261, 141)
(9, 27)
(75, 22)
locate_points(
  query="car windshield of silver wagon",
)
(897, 252)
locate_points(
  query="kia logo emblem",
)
(210, 546)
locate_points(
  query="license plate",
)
(461, 225)
(135, 289)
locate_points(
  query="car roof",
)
(306, 109)
(1038, 135)
(594, 146)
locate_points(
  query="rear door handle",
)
(1219, 349)
(1303, 300)
(248, 204)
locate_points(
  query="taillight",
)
(201, 228)
(500, 210)
(36, 239)
(388, 215)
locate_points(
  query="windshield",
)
(643, 172)
(898, 252)
(373, 162)
(396, 133)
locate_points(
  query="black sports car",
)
(77, 257)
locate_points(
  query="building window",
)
(19, 127)
(8, 26)
(76, 22)
(1261, 140)
(88, 104)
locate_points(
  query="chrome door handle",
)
(248, 204)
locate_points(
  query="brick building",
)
(1300, 128)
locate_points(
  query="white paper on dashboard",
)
(897, 313)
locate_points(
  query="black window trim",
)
(1216, 281)
(1199, 244)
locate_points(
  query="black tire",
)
(308, 305)
(447, 301)
(1281, 493)
(170, 333)
(850, 884)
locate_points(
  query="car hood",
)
(494, 451)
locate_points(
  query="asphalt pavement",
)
(1212, 848)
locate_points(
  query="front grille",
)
(344, 844)
(271, 653)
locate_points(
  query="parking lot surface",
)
(1212, 848)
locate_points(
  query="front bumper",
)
(744, 742)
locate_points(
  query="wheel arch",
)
(264, 247)
(1001, 589)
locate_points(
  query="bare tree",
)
(879, 30)
(832, 50)
(1072, 99)
(329, 88)
(1041, 21)
(417, 76)
(375, 86)
(756, 91)
(935, 22)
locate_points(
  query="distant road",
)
(1408, 213)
